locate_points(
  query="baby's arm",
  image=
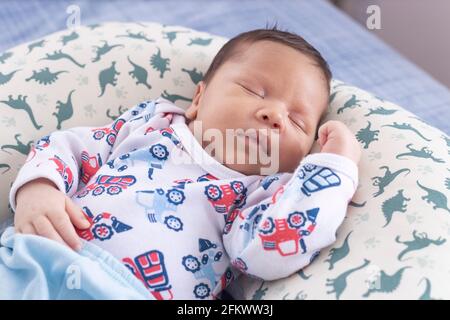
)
(283, 230)
(53, 171)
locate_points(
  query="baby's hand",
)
(335, 137)
(45, 211)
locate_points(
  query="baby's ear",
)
(191, 111)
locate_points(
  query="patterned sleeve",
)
(70, 157)
(288, 224)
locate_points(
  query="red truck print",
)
(112, 184)
(150, 269)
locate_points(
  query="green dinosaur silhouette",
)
(447, 141)
(64, 110)
(422, 153)
(406, 126)
(339, 283)
(357, 205)
(37, 44)
(366, 136)
(138, 36)
(171, 35)
(385, 283)
(5, 165)
(195, 76)
(380, 110)
(4, 78)
(437, 198)
(121, 111)
(160, 64)
(94, 26)
(100, 51)
(174, 97)
(139, 73)
(108, 76)
(350, 104)
(420, 241)
(19, 147)
(4, 56)
(426, 295)
(391, 205)
(44, 76)
(21, 104)
(337, 254)
(200, 41)
(260, 292)
(447, 183)
(383, 182)
(66, 39)
(58, 54)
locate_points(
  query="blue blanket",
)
(33, 267)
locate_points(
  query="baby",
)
(182, 211)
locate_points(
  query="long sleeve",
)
(286, 225)
(70, 157)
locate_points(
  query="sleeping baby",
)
(190, 199)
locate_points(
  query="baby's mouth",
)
(260, 142)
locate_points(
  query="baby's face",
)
(267, 86)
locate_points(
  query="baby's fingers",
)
(65, 229)
(26, 229)
(45, 229)
(76, 215)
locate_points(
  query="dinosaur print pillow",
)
(395, 240)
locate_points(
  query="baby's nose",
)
(272, 118)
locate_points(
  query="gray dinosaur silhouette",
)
(383, 182)
(174, 97)
(19, 147)
(437, 198)
(121, 111)
(387, 283)
(21, 104)
(4, 78)
(195, 76)
(332, 97)
(108, 76)
(366, 136)
(171, 35)
(37, 44)
(159, 63)
(302, 275)
(137, 36)
(391, 205)
(4, 56)
(426, 295)
(58, 54)
(64, 110)
(101, 51)
(200, 41)
(5, 165)
(66, 39)
(350, 104)
(337, 254)
(380, 110)
(299, 296)
(139, 73)
(260, 292)
(420, 241)
(406, 126)
(422, 153)
(339, 283)
(44, 76)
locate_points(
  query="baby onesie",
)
(183, 223)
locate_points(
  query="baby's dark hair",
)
(230, 49)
